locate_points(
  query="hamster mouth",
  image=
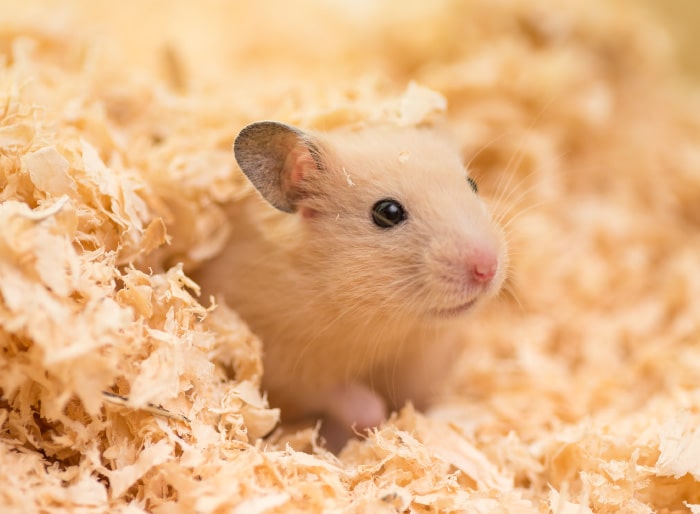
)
(452, 312)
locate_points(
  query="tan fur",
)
(337, 299)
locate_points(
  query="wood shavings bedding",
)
(578, 390)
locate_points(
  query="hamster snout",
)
(483, 265)
(464, 268)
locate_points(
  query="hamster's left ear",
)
(278, 160)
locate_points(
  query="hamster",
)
(355, 263)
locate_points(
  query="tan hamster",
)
(354, 263)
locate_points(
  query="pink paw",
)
(351, 406)
(355, 405)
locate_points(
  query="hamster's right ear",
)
(278, 160)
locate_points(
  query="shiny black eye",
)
(388, 213)
(472, 183)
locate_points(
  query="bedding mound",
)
(124, 390)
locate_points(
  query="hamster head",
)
(390, 224)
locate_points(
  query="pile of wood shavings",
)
(578, 391)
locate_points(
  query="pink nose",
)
(483, 267)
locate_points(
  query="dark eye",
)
(472, 183)
(388, 213)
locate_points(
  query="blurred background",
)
(208, 34)
(682, 17)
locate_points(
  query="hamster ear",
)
(276, 158)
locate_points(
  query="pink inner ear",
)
(298, 165)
